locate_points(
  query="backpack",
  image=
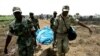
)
(71, 34)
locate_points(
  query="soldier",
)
(52, 19)
(77, 15)
(22, 28)
(61, 26)
(35, 23)
(51, 25)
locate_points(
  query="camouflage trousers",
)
(54, 42)
(24, 50)
(62, 44)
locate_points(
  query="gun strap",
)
(64, 22)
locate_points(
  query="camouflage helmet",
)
(16, 9)
(65, 8)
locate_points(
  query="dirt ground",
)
(84, 45)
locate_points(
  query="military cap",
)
(65, 8)
(31, 13)
(16, 9)
(55, 12)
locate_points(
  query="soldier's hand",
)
(5, 51)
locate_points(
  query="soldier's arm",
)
(31, 25)
(51, 21)
(75, 20)
(8, 40)
(85, 26)
(55, 23)
(38, 24)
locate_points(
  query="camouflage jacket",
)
(59, 24)
(51, 22)
(35, 23)
(22, 30)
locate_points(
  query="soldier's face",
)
(31, 15)
(18, 15)
(65, 13)
(55, 14)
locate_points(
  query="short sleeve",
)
(37, 21)
(10, 31)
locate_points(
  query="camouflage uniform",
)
(25, 40)
(62, 36)
(36, 23)
(51, 26)
(51, 22)
(36, 26)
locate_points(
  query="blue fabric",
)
(45, 36)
